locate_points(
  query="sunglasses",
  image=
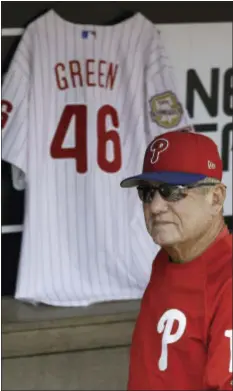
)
(170, 193)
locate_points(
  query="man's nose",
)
(158, 204)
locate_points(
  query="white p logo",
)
(228, 334)
(165, 325)
(158, 146)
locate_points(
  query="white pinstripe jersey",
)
(80, 104)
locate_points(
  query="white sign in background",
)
(206, 48)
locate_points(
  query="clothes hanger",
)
(126, 14)
(99, 13)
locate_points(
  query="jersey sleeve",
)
(14, 107)
(218, 374)
(164, 110)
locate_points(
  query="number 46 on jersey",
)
(80, 151)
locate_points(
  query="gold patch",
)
(166, 110)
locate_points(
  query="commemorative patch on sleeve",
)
(166, 110)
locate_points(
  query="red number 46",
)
(79, 151)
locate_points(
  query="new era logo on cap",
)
(211, 165)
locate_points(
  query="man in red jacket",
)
(183, 335)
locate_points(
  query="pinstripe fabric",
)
(84, 238)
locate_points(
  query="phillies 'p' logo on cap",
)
(158, 146)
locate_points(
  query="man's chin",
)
(163, 241)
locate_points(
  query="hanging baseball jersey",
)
(80, 103)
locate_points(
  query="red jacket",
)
(183, 335)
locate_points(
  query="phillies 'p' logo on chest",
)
(158, 146)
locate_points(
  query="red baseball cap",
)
(179, 158)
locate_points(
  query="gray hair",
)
(209, 180)
(205, 190)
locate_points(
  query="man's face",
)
(173, 222)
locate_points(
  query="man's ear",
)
(218, 197)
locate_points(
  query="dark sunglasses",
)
(167, 192)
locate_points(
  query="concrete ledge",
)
(28, 330)
(100, 369)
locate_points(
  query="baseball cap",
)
(179, 158)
